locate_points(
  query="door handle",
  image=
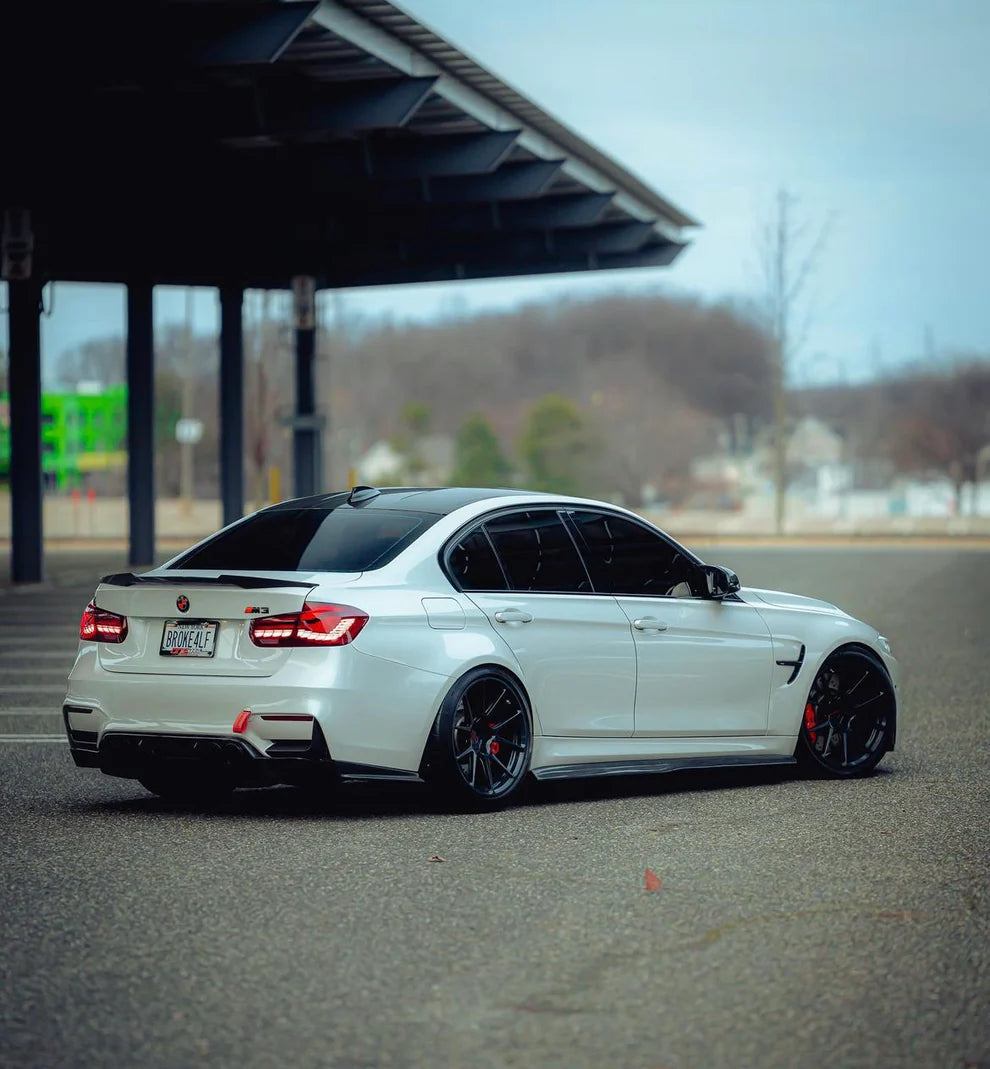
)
(513, 616)
(649, 623)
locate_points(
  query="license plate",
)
(188, 638)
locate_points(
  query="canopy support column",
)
(231, 403)
(141, 422)
(26, 530)
(306, 424)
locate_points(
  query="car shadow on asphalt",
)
(369, 801)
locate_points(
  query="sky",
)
(874, 115)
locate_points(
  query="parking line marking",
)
(34, 738)
(27, 688)
(42, 653)
(30, 712)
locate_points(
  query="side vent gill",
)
(795, 665)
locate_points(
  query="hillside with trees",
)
(617, 396)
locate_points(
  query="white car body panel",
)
(706, 673)
(707, 688)
(576, 655)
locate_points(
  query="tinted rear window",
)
(537, 553)
(474, 565)
(311, 540)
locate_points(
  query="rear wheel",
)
(848, 720)
(187, 785)
(482, 740)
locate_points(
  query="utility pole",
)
(779, 298)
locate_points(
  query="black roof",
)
(437, 501)
(241, 142)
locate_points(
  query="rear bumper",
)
(353, 709)
(120, 753)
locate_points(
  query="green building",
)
(80, 433)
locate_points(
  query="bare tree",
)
(789, 255)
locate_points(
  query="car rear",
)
(252, 669)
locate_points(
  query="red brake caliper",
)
(809, 720)
(493, 745)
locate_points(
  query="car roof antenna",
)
(361, 495)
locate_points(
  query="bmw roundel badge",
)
(182, 603)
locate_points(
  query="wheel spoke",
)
(460, 756)
(845, 747)
(511, 743)
(508, 720)
(870, 701)
(488, 772)
(854, 687)
(505, 768)
(470, 712)
(491, 708)
(474, 767)
(828, 741)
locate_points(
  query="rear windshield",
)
(311, 540)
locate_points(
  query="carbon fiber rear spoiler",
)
(246, 582)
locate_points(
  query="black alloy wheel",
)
(482, 739)
(848, 720)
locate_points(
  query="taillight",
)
(101, 625)
(317, 625)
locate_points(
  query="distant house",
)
(812, 443)
(428, 462)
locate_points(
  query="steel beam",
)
(659, 254)
(605, 238)
(26, 533)
(508, 247)
(546, 213)
(437, 156)
(262, 39)
(141, 423)
(511, 181)
(231, 402)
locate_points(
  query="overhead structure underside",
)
(244, 143)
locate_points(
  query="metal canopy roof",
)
(244, 141)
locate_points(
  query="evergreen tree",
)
(556, 446)
(478, 457)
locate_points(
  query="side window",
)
(473, 564)
(537, 553)
(625, 557)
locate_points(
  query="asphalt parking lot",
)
(798, 923)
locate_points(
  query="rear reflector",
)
(317, 625)
(241, 722)
(101, 625)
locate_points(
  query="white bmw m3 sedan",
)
(469, 638)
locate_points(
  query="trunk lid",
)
(225, 603)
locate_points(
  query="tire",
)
(481, 745)
(849, 716)
(187, 785)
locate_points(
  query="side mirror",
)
(720, 581)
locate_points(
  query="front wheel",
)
(482, 740)
(848, 720)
